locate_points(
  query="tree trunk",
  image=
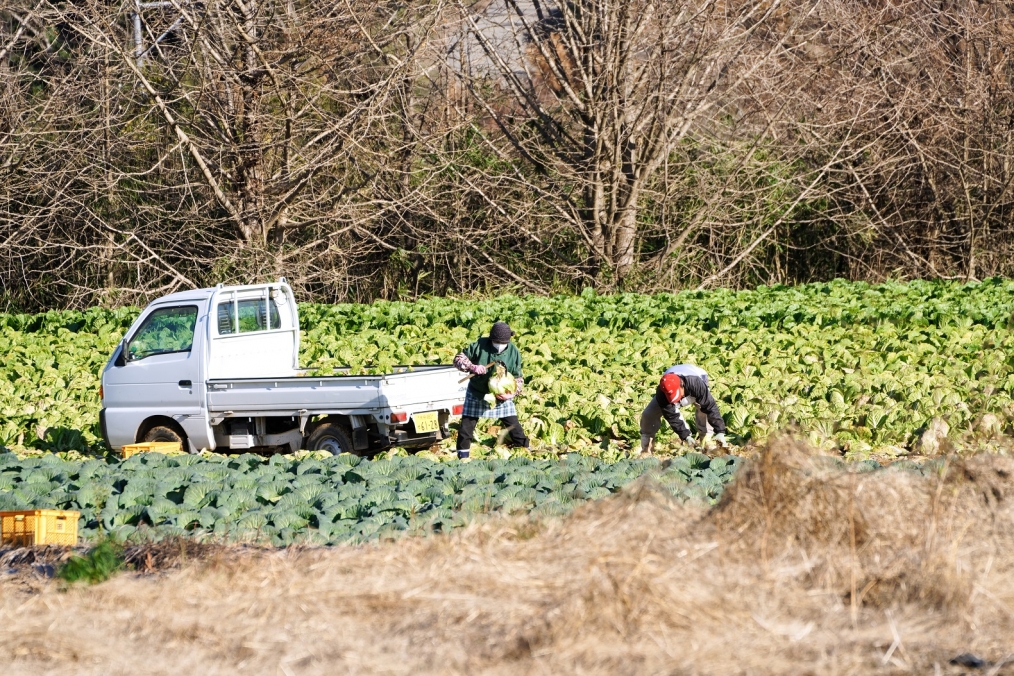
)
(624, 240)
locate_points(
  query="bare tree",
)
(369, 148)
(264, 98)
(200, 140)
(597, 94)
(922, 95)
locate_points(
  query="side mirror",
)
(120, 359)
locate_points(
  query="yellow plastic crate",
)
(39, 527)
(152, 446)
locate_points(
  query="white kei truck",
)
(218, 369)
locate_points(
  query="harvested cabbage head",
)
(500, 382)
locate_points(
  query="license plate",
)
(426, 422)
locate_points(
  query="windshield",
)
(166, 330)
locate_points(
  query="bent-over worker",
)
(474, 359)
(682, 385)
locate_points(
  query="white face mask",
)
(499, 347)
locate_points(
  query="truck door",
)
(159, 372)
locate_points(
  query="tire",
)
(331, 437)
(165, 433)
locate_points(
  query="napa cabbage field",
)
(855, 367)
(861, 370)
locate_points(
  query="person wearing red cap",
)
(682, 385)
(474, 359)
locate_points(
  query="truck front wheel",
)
(331, 437)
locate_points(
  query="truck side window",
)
(166, 330)
(253, 316)
(225, 319)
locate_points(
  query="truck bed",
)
(416, 388)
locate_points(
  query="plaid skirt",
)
(476, 407)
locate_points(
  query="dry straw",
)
(801, 569)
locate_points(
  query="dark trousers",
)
(513, 425)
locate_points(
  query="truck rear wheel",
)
(165, 433)
(331, 437)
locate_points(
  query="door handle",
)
(186, 383)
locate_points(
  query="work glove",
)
(720, 440)
(478, 369)
(691, 442)
(506, 396)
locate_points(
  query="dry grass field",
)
(797, 571)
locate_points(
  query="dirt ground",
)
(798, 571)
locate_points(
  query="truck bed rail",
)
(344, 394)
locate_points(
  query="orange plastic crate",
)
(152, 447)
(39, 527)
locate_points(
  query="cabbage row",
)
(859, 367)
(281, 501)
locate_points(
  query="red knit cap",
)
(672, 386)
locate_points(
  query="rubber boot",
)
(647, 444)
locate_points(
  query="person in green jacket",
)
(475, 359)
